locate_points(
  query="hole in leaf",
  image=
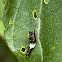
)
(35, 14)
(11, 22)
(46, 1)
(23, 49)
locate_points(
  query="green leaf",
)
(1, 29)
(41, 16)
(1, 17)
(51, 31)
(20, 17)
(1, 10)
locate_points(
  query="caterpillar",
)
(32, 39)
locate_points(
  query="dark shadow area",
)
(5, 54)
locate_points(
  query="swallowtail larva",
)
(32, 39)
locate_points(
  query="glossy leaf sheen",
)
(47, 26)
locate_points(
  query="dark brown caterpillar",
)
(28, 52)
(32, 39)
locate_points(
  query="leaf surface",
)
(20, 17)
(43, 17)
(51, 31)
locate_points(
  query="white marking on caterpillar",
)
(32, 45)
